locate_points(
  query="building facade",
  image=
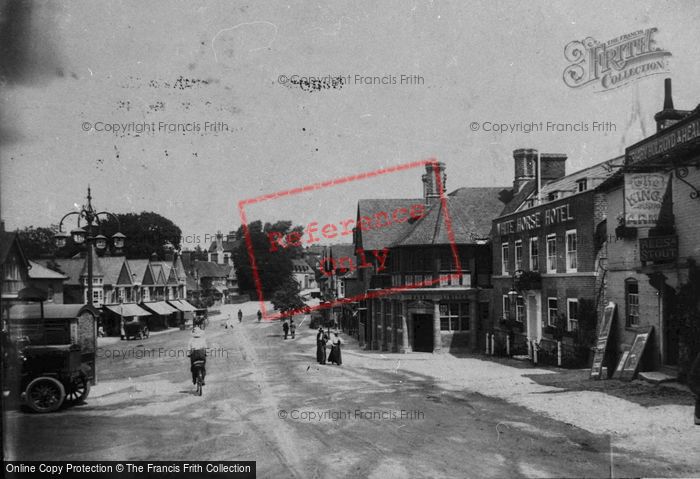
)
(653, 246)
(424, 265)
(546, 261)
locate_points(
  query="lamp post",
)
(89, 235)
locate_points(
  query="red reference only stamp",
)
(374, 258)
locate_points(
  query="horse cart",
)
(50, 354)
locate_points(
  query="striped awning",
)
(128, 309)
(160, 307)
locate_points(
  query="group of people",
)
(334, 356)
(229, 321)
(289, 327)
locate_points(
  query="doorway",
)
(423, 332)
(534, 317)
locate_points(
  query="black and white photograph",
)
(350, 239)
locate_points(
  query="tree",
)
(286, 297)
(274, 266)
(146, 233)
(37, 242)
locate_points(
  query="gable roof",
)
(111, 267)
(228, 245)
(139, 268)
(470, 212)
(380, 238)
(38, 271)
(209, 269)
(300, 266)
(7, 241)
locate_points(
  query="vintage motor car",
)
(50, 354)
(136, 329)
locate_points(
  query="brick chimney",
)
(431, 189)
(669, 115)
(552, 167)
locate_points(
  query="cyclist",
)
(197, 351)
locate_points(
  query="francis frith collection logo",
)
(615, 63)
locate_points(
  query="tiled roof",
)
(70, 267)
(39, 271)
(380, 238)
(111, 267)
(342, 250)
(595, 175)
(138, 268)
(96, 267)
(519, 198)
(209, 269)
(470, 212)
(227, 245)
(6, 241)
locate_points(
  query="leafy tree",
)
(146, 233)
(37, 242)
(286, 297)
(274, 266)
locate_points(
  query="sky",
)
(72, 69)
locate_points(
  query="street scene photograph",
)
(404, 239)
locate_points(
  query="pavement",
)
(379, 415)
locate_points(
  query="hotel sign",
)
(533, 221)
(644, 195)
(660, 249)
(663, 143)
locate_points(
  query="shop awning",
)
(160, 307)
(182, 305)
(128, 309)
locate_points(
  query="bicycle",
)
(199, 374)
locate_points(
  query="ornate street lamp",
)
(88, 235)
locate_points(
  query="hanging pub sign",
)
(644, 196)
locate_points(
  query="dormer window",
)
(582, 185)
(553, 196)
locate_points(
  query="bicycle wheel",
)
(199, 382)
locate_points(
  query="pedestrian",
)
(228, 321)
(121, 329)
(259, 316)
(240, 315)
(334, 357)
(321, 346)
(285, 327)
(694, 385)
(292, 327)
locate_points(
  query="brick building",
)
(427, 277)
(546, 243)
(654, 242)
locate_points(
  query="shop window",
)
(572, 314)
(504, 258)
(552, 253)
(632, 302)
(519, 254)
(534, 254)
(571, 252)
(454, 316)
(552, 311)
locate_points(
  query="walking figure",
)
(321, 340)
(240, 315)
(292, 327)
(285, 327)
(259, 315)
(334, 356)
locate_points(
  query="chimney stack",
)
(432, 188)
(552, 167)
(669, 115)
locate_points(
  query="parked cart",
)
(50, 355)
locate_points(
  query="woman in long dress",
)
(335, 357)
(321, 346)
